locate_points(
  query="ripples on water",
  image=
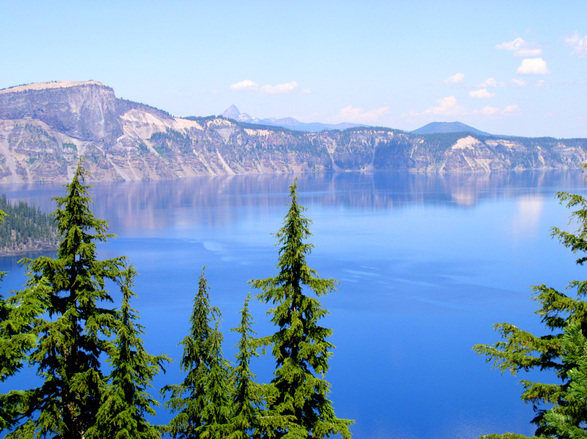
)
(427, 264)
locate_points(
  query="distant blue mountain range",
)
(293, 124)
(287, 122)
(448, 127)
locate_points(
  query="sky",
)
(504, 67)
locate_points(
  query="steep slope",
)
(46, 128)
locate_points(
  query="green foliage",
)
(125, 402)
(201, 401)
(249, 416)
(30, 136)
(298, 390)
(561, 408)
(60, 324)
(25, 227)
(568, 415)
(246, 398)
(163, 143)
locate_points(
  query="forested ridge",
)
(25, 228)
(46, 128)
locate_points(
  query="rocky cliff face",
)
(46, 128)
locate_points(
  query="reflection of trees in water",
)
(219, 199)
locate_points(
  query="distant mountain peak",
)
(448, 127)
(233, 113)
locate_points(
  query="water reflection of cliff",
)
(218, 199)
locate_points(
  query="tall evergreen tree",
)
(75, 329)
(300, 347)
(15, 342)
(201, 400)
(246, 398)
(568, 417)
(125, 403)
(560, 411)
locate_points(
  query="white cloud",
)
(519, 82)
(457, 78)
(286, 88)
(360, 115)
(578, 44)
(490, 82)
(533, 66)
(247, 84)
(482, 93)
(487, 111)
(447, 106)
(520, 48)
(510, 110)
(541, 83)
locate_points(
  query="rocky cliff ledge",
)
(45, 129)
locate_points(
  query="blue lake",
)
(426, 265)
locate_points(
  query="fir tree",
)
(125, 403)
(246, 399)
(568, 417)
(298, 390)
(15, 323)
(74, 330)
(201, 400)
(560, 412)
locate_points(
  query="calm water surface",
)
(426, 265)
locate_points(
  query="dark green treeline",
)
(25, 228)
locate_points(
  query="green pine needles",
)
(95, 373)
(216, 400)
(201, 401)
(561, 408)
(62, 324)
(125, 403)
(298, 390)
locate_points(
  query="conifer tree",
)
(73, 332)
(201, 400)
(246, 399)
(568, 416)
(125, 402)
(560, 411)
(20, 314)
(298, 390)
(15, 323)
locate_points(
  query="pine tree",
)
(561, 350)
(14, 343)
(76, 325)
(246, 400)
(201, 400)
(125, 403)
(298, 390)
(20, 314)
(567, 418)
